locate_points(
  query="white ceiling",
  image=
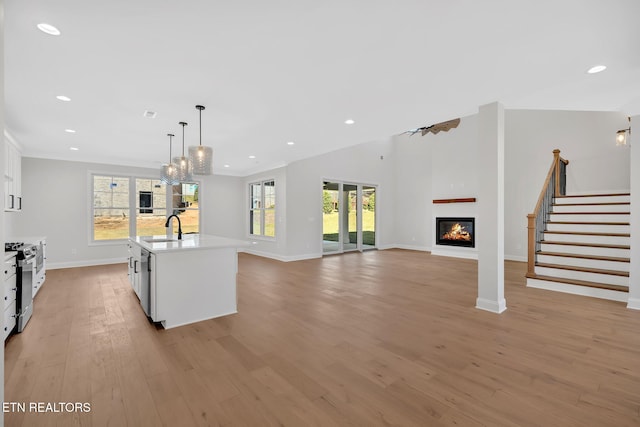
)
(279, 71)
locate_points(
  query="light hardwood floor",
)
(386, 338)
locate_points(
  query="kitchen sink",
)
(161, 240)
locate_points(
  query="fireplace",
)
(455, 232)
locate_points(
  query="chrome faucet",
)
(179, 225)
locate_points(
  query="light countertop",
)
(188, 242)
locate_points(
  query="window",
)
(185, 204)
(262, 212)
(111, 211)
(129, 206)
(151, 207)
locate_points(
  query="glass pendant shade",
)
(169, 171)
(168, 174)
(183, 169)
(183, 164)
(201, 156)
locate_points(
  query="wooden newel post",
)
(531, 256)
(556, 161)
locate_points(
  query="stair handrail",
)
(554, 185)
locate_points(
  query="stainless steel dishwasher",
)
(145, 281)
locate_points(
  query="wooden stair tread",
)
(586, 233)
(618, 288)
(594, 257)
(584, 269)
(591, 245)
(593, 195)
(592, 204)
(587, 223)
(589, 213)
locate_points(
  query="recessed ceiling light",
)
(149, 114)
(227, 166)
(596, 69)
(63, 98)
(252, 157)
(349, 122)
(70, 130)
(74, 148)
(49, 29)
(290, 143)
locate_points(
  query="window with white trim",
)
(130, 206)
(262, 210)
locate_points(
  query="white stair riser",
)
(586, 250)
(590, 208)
(577, 238)
(582, 262)
(581, 275)
(588, 218)
(592, 199)
(592, 228)
(578, 290)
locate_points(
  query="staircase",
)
(584, 246)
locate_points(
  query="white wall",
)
(586, 139)
(56, 205)
(3, 231)
(271, 247)
(370, 163)
(441, 166)
(444, 166)
(221, 200)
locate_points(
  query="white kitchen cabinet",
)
(10, 292)
(135, 259)
(12, 178)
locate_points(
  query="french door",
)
(348, 217)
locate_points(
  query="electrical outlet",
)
(74, 251)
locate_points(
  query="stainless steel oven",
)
(38, 267)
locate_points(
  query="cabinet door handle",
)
(20, 203)
(12, 201)
(135, 266)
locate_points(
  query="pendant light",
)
(182, 163)
(169, 171)
(201, 156)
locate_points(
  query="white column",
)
(490, 221)
(634, 187)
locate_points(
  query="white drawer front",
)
(10, 289)
(9, 268)
(9, 319)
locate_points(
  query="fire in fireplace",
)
(455, 232)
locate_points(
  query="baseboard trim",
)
(86, 263)
(515, 258)
(407, 247)
(633, 303)
(579, 290)
(490, 305)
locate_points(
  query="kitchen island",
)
(185, 281)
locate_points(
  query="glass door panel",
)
(368, 217)
(350, 217)
(330, 217)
